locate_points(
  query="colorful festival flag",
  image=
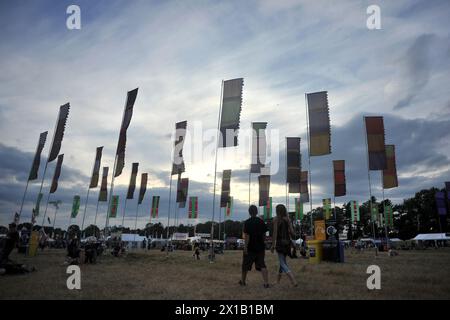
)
(37, 157)
(155, 206)
(121, 144)
(231, 112)
(388, 216)
(38, 205)
(193, 207)
(178, 165)
(354, 208)
(319, 124)
(298, 209)
(225, 195)
(327, 208)
(339, 178)
(268, 209)
(375, 212)
(229, 207)
(258, 146)
(144, 178)
(96, 171)
(75, 206)
(440, 203)
(304, 193)
(59, 132)
(103, 195)
(293, 164)
(114, 206)
(390, 179)
(264, 189)
(132, 185)
(54, 186)
(375, 143)
(182, 192)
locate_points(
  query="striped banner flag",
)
(268, 209)
(114, 207)
(327, 208)
(354, 209)
(388, 216)
(155, 206)
(193, 207)
(319, 124)
(298, 209)
(229, 207)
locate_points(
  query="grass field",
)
(151, 275)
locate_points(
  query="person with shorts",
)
(254, 249)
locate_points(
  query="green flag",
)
(75, 206)
(193, 207)
(388, 216)
(268, 209)
(375, 212)
(114, 207)
(298, 209)
(327, 208)
(155, 206)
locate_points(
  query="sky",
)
(177, 53)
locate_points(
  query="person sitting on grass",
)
(7, 245)
(254, 248)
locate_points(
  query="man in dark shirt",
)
(11, 241)
(254, 249)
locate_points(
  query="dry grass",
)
(152, 275)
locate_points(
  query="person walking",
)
(254, 247)
(282, 235)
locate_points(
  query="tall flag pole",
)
(389, 180)
(376, 155)
(131, 188)
(34, 168)
(103, 194)
(227, 131)
(293, 167)
(58, 136)
(144, 178)
(94, 180)
(119, 159)
(319, 132)
(54, 185)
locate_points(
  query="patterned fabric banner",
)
(304, 193)
(293, 163)
(155, 206)
(38, 205)
(114, 207)
(75, 206)
(182, 192)
(298, 209)
(229, 207)
(390, 173)
(327, 208)
(258, 147)
(103, 195)
(225, 195)
(121, 144)
(54, 186)
(375, 212)
(96, 171)
(268, 209)
(339, 178)
(144, 178)
(178, 166)
(193, 207)
(354, 208)
(440, 203)
(37, 157)
(231, 112)
(388, 216)
(132, 185)
(59, 132)
(264, 188)
(319, 124)
(375, 143)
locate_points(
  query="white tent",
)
(431, 237)
(129, 237)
